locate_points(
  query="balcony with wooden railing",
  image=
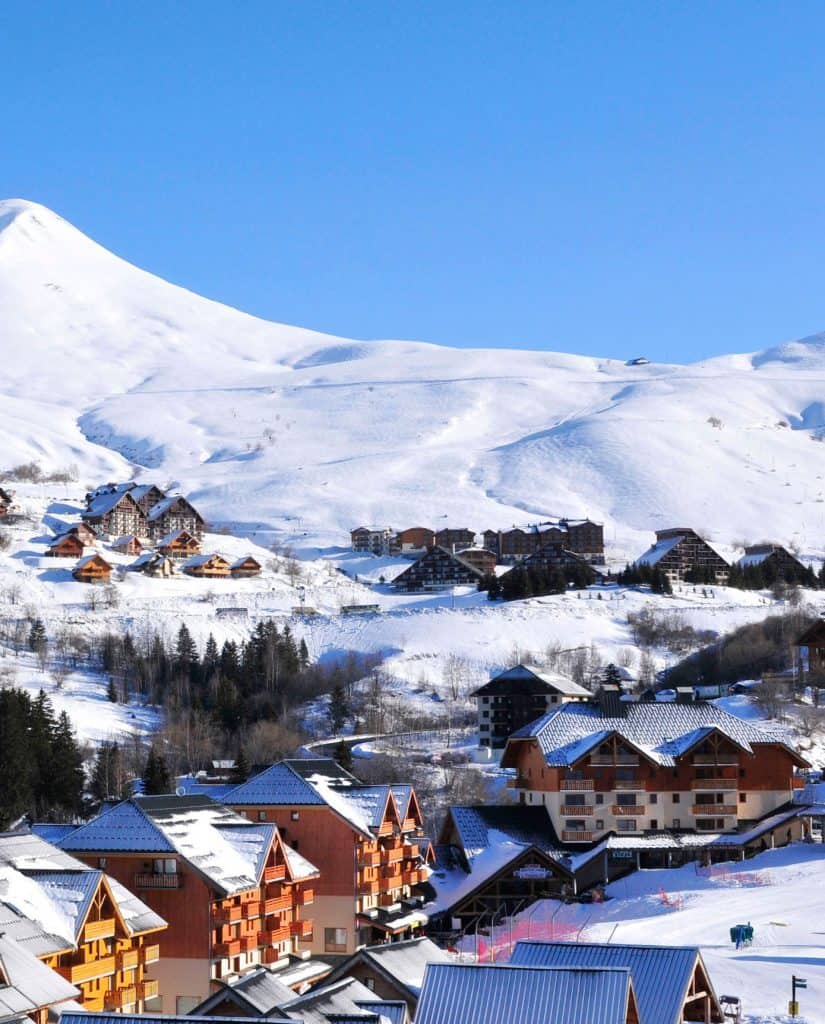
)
(412, 850)
(275, 873)
(388, 899)
(227, 915)
(412, 877)
(712, 784)
(127, 959)
(408, 825)
(117, 998)
(147, 989)
(277, 903)
(369, 860)
(368, 888)
(306, 897)
(150, 954)
(576, 785)
(627, 810)
(149, 880)
(571, 810)
(301, 929)
(384, 829)
(606, 760)
(272, 936)
(103, 929)
(252, 909)
(224, 949)
(714, 759)
(78, 974)
(393, 855)
(576, 836)
(708, 810)
(249, 942)
(628, 785)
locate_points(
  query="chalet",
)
(549, 568)
(771, 562)
(479, 558)
(5, 501)
(682, 555)
(116, 514)
(455, 539)
(518, 696)
(128, 545)
(85, 533)
(374, 540)
(672, 983)
(67, 545)
(364, 840)
(505, 994)
(436, 570)
(174, 513)
(208, 566)
(261, 992)
(246, 567)
(637, 768)
(179, 545)
(154, 564)
(29, 990)
(146, 496)
(233, 895)
(495, 860)
(92, 569)
(412, 542)
(811, 647)
(80, 922)
(392, 971)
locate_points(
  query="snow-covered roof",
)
(661, 974)
(169, 538)
(278, 785)
(657, 551)
(26, 984)
(339, 1001)
(542, 680)
(299, 867)
(239, 562)
(405, 962)
(30, 851)
(504, 994)
(261, 990)
(197, 560)
(89, 559)
(165, 504)
(103, 503)
(660, 731)
(222, 846)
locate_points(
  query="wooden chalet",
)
(128, 545)
(147, 496)
(454, 539)
(115, 513)
(233, 895)
(85, 533)
(811, 647)
(438, 569)
(92, 569)
(365, 841)
(154, 564)
(680, 552)
(5, 501)
(67, 545)
(174, 513)
(374, 540)
(672, 983)
(246, 567)
(106, 943)
(207, 566)
(412, 542)
(179, 545)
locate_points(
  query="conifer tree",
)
(156, 776)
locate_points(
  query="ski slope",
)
(276, 428)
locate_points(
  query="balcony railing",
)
(146, 880)
(576, 785)
(249, 942)
(713, 759)
(627, 810)
(301, 929)
(576, 836)
(605, 760)
(369, 860)
(77, 974)
(147, 989)
(277, 904)
(117, 998)
(272, 936)
(127, 959)
(368, 888)
(392, 856)
(104, 929)
(232, 948)
(411, 877)
(150, 954)
(227, 915)
(709, 810)
(275, 873)
(571, 810)
(627, 785)
(713, 784)
(306, 897)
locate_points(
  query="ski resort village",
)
(397, 684)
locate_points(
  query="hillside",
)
(281, 429)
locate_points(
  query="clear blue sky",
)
(605, 177)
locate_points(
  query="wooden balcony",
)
(387, 899)
(276, 873)
(627, 810)
(411, 877)
(277, 904)
(709, 810)
(127, 959)
(251, 909)
(714, 759)
(709, 785)
(146, 880)
(227, 915)
(147, 989)
(77, 974)
(269, 955)
(117, 998)
(104, 929)
(628, 785)
(369, 860)
(393, 855)
(393, 881)
(306, 897)
(223, 949)
(607, 760)
(384, 829)
(368, 888)
(571, 810)
(408, 825)
(249, 942)
(577, 785)
(576, 836)
(272, 936)
(150, 954)
(301, 929)
(412, 850)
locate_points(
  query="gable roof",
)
(176, 535)
(662, 732)
(26, 984)
(167, 503)
(82, 1016)
(101, 504)
(401, 963)
(260, 991)
(277, 786)
(661, 974)
(197, 560)
(338, 1001)
(89, 560)
(504, 994)
(531, 680)
(484, 825)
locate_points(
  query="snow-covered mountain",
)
(119, 372)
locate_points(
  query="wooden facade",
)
(581, 536)
(116, 514)
(128, 545)
(412, 541)
(207, 566)
(454, 539)
(680, 552)
(811, 647)
(154, 564)
(245, 568)
(68, 545)
(172, 514)
(93, 569)
(479, 558)
(180, 545)
(436, 570)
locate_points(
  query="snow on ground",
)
(780, 892)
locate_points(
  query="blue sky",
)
(608, 178)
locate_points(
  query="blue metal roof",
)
(88, 1017)
(124, 827)
(52, 833)
(661, 974)
(476, 994)
(395, 1010)
(277, 785)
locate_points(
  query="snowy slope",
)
(274, 426)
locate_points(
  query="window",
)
(575, 800)
(600, 798)
(654, 823)
(296, 815)
(554, 699)
(485, 714)
(626, 824)
(295, 844)
(677, 823)
(101, 862)
(335, 940)
(261, 815)
(165, 866)
(370, 983)
(625, 774)
(743, 797)
(654, 798)
(575, 826)
(676, 797)
(600, 824)
(485, 727)
(626, 799)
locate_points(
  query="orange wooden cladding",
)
(150, 954)
(301, 929)
(369, 860)
(275, 873)
(79, 973)
(104, 929)
(147, 989)
(127, 959)
(227, 915)
(708, 810)
(272, 936)
(120, 997)
(232, 948)
(277, 904)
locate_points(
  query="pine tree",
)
(343, 755)
(66, 776)
(186, 653)
(612, 676)
(339, 709)
(240, 773)
(111, 690)
(108, 781)
(156, 776)
(303, 655)
(210, 655)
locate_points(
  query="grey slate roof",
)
(88, 1017)
(406, 961)
(261, 991)
(530, 826)
(30, 851)
(137, 915)
(661, 731)
(340, 999)
(103, 503)
(532, 680)
(475, 994)
(661, 974)
(26, 984)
